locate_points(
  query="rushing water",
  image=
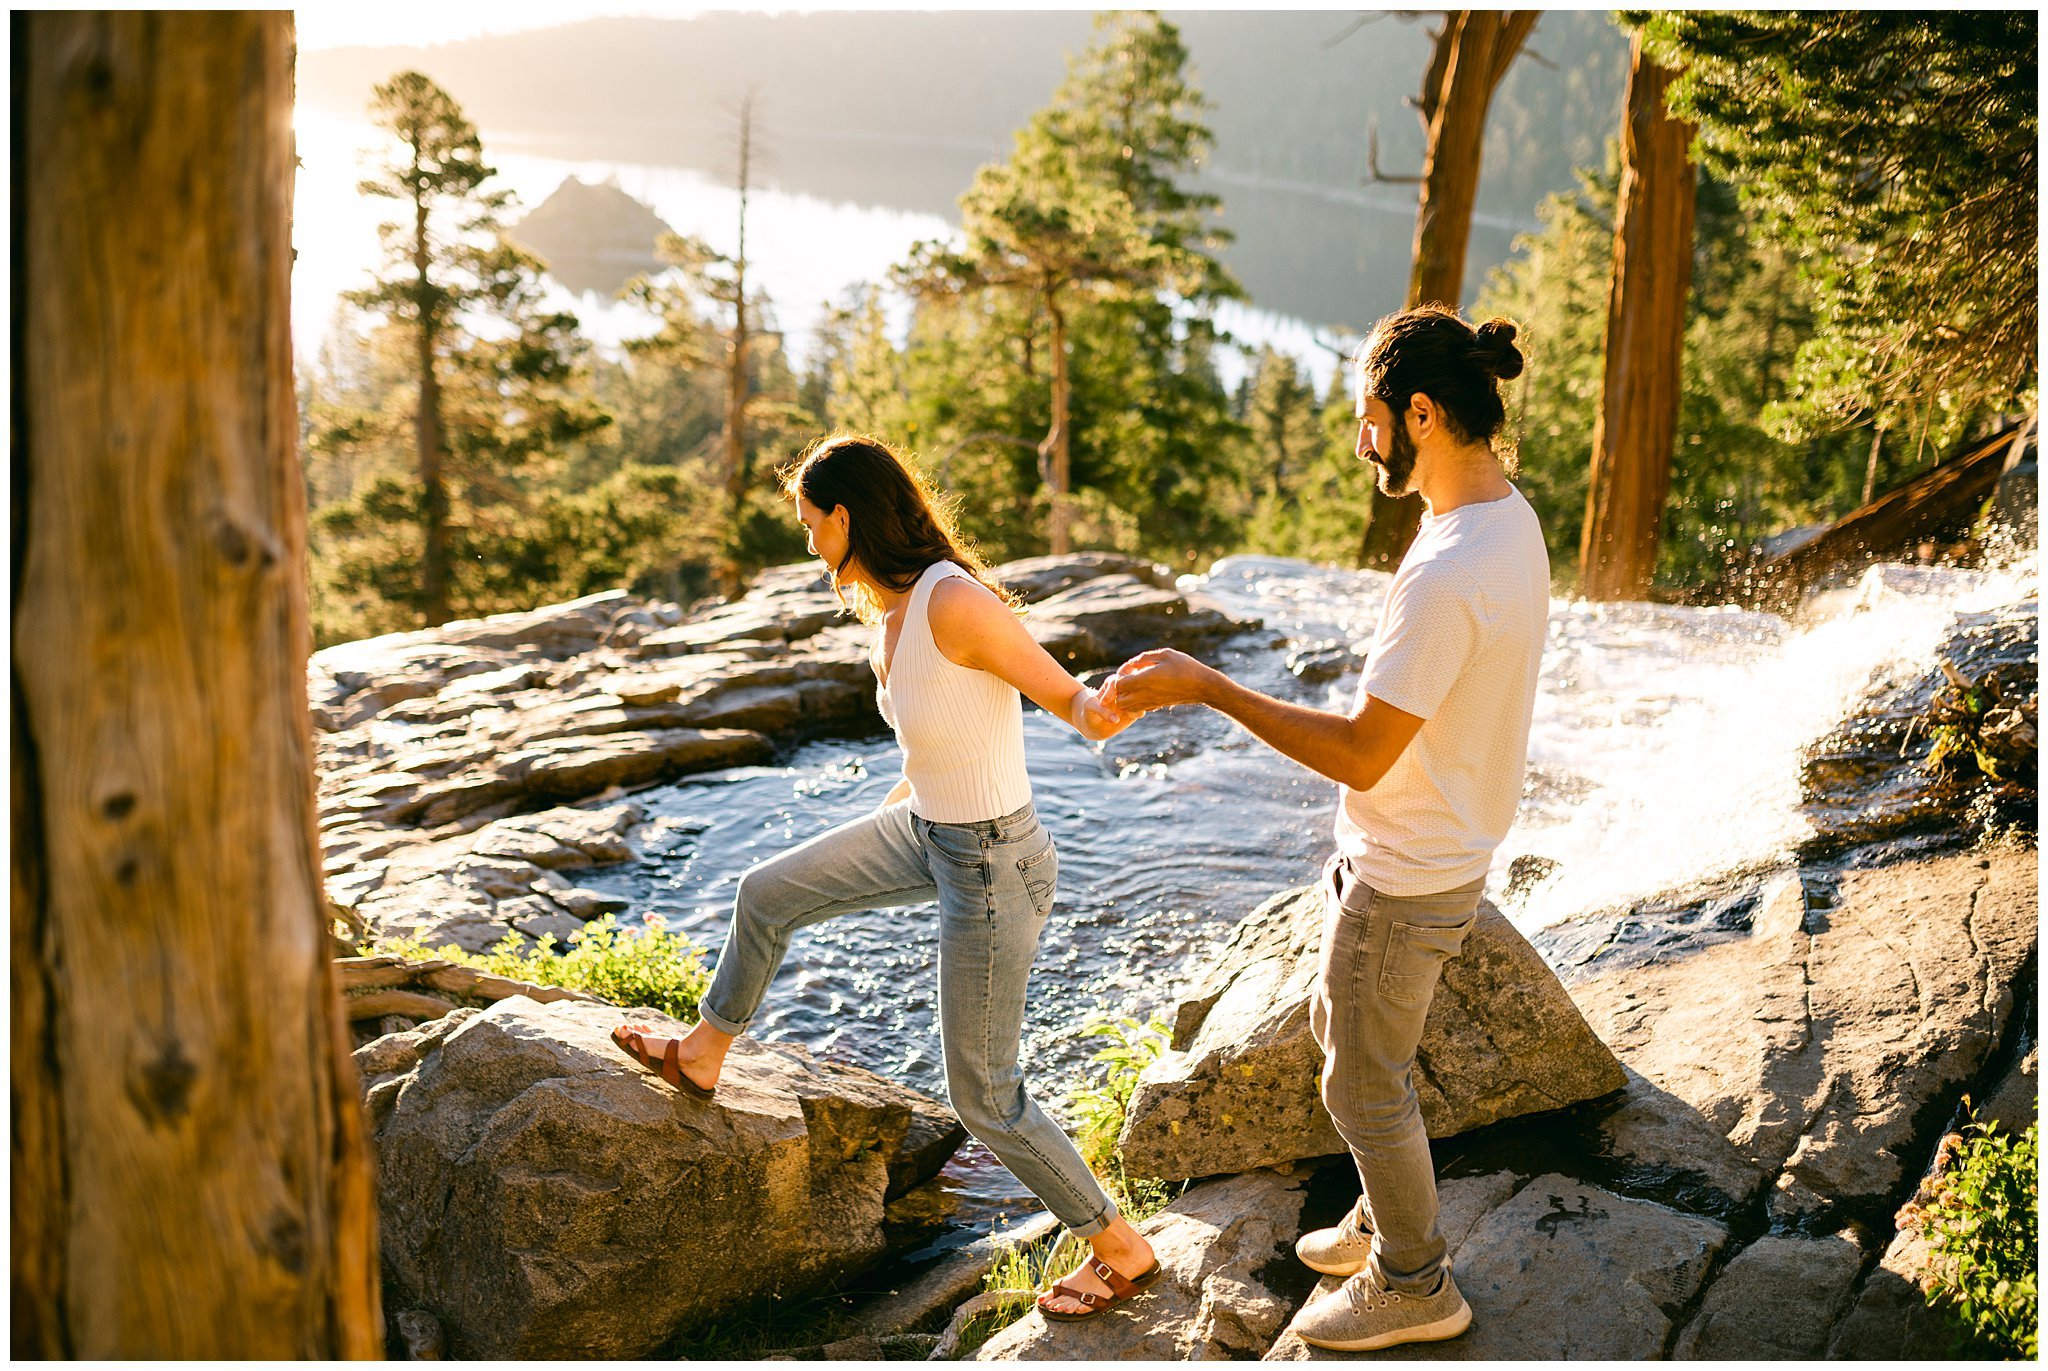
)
(1665, 747)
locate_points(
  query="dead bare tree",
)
(1471, 54)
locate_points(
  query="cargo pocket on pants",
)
(1415, 958)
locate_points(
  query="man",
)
(1429, 766)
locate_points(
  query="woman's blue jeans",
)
(994, 883)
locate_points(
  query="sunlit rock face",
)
(1216, 1297)
(1240, 1087)
(529, 1172)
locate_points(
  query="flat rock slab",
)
(1863, 1000)
(932, 1294)
(1890, 1319)
(1776, 1300)
(1660, 1142)
(1560, 1270)
(1213, 1302)
(1104, 621)
(1032, 579)
(1239, 1089)
(543, 1196)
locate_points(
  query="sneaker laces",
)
(1365, 1292)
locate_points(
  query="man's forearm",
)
(1324, 743)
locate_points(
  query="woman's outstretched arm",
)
(975, 629)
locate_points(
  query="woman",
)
(950, 659)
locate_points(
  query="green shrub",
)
(1098, 1112)
(651, 967)
(1981, 1217)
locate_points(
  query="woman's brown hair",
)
(897, 526)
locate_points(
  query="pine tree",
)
(1643, 346)
(1094, 238)
(1736, 477)
(464, 369)
(1895, 152)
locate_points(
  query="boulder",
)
(1039, 578)
(1215, 1300)
(1559, 1270)
(1951, 748)
(1102, 622)
(1863, 1000)
(1238, 1089)
(1775, 1301)
(543, 1196)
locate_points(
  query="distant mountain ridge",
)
(899, 108)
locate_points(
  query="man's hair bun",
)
(1495, 350)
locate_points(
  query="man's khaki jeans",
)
(1381, 959)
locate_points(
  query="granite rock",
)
(1239, 1087)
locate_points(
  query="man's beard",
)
(1396, 471)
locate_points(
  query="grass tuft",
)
(648, 967)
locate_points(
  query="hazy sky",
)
(377, 23)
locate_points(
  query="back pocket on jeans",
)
(1415, 958)
(1041, 875)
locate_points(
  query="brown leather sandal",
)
(1120, 1289)
(669, 1067)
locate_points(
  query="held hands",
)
(1149, 681)
(1153, 680)
(1095, 715)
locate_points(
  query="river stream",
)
(1665, 748)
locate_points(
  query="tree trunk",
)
(429, 437)
(736, 390)
(436, 566)
(1645, 345)
(1471, 58)
(1870, 467)
(1056, 453)
(191, 1175)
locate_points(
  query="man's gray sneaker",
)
(1338, 1251)
(1360, 1316)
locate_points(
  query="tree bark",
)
(1058, 448)
(736, 390)
(1471, 58)
(429, 436)
(191, 1175)
(1645, 347)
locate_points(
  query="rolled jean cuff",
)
(1095, 1225)
(719, 1021)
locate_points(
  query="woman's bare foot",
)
(701, 1057)
(1120, 1246)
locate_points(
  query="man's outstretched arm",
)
(1351, 749)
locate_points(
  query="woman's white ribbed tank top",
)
(961, 730)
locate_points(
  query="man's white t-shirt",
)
(1459, 644)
